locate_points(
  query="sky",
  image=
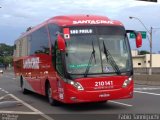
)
(17, 15)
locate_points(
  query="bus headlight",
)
(77, 85)
(127, 82)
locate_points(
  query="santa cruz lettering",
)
(92, 22)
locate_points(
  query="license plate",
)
(104, 95)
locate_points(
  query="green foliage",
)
(1, 59)
(143, 52)
(8, 60)
(6, 52)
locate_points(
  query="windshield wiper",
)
(110, 59)
(90, 60)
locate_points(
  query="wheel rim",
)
(50, 94)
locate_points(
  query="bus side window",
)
(15, 50)
(39, 42)
(53, 29)
(29, 43)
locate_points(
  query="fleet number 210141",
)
(103, 83)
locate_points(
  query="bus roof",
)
(76, 20)
(72, 20)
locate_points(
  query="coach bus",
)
(76, 59)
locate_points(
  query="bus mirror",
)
(61, 43)
(138, 37)
(138, 40)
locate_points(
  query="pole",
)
(150, 41)
(150, 70)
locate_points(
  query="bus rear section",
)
(88, 60)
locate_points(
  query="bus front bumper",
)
(97, 95)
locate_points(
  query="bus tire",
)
(102, 102)
(23, 89)
(51, 101)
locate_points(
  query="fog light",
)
(73, 98)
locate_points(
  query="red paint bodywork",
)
(91, 95)
(37, 78)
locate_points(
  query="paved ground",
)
(13, 104)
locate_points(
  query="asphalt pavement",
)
(145, 105)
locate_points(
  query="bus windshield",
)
(97, 50)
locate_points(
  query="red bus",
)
(76, 58)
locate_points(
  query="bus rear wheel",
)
(23, 89)
(49, 96)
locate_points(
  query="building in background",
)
(143, 61)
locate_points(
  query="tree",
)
(8, 60)
(1, 59)
(6, 52)
(143, 52)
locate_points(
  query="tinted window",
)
(39, 42)
(59, 65)
(53, 30)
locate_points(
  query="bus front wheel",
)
(50, 99)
